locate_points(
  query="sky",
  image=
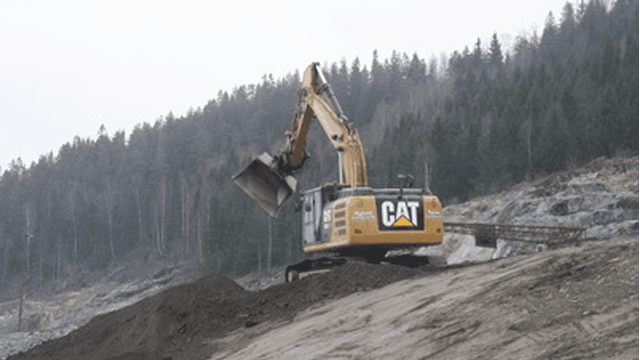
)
(69, 66)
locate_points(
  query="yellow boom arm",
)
(317, 98)
(269, 180)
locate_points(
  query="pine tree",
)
(417, 71)
(495, 52)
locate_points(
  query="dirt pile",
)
(49, 317)
(152, 325)
(178, 323)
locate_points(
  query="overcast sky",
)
(66, 66)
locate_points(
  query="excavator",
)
(346, 219)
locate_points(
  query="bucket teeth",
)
(265, 184)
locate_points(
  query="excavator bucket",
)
(266, 185)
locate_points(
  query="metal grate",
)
(487, 234)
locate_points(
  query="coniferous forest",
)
(471, 123)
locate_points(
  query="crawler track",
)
(326, 263)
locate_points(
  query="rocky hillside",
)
(601, 197)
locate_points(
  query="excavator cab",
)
(265, 184)
(316, 208)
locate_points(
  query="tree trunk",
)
(207, 191)
(186, 209)
(40, 262)
(157, 233)
(75, 227)
(27, 256)
(136, 181)
(20, 309)
(163, 213)
(270, 244)
(199, 234)
(159, 212)
(5, 260)
(529, 157)
(59, 259)
(109, 208)
(30, 225)
(139, 208)
(426, 175)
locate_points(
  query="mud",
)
(428, 310)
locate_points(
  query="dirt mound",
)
(177, 323)
(156, 325)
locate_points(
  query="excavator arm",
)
(316, 98)
(270, 181)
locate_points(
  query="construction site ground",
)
(578, 301)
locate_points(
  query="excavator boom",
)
(269, 179)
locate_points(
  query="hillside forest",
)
(465, 124)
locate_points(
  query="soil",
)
(577, 301)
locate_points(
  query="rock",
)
(462, 248)
(612, 230)
(514, 248)
(627, 202)
(567, 206)
(582, 187)
(604, 217)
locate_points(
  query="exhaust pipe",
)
(265, 184)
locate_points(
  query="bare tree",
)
(188, 191)
(30, 225)
(160, 208)
(4, 240)
(29, 228)
(270, 243)
(203, 196)
(108, 200)
(136, 183)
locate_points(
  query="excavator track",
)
(326, 263)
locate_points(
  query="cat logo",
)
(396, 214)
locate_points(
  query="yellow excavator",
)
(346, 219)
